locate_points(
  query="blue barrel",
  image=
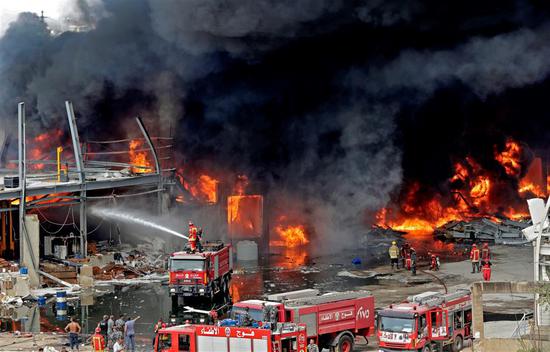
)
(61, 303)
(41, 300)
(23, 270)
(61, 296)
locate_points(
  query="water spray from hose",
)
(133, 219)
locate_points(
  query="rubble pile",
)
(487, 229)
(63, 272)
(132, 264)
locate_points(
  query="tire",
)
(427, 349)
(458, 344)
(345, 344)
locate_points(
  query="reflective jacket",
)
(394, 252)
(474, 255)
(98, 343)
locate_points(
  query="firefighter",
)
(474, 258)
(192, 237)
(485, 253)
(98, 341)
(199, 239)
(157, 327)
(434, 263)
(486, 271)
(412, 258)
(265, 312)
(394, 255)
(404, 253)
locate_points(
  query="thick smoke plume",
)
(320, 101)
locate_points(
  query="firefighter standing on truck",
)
(98, 341)
(394, 255)
(474, 258)
(192, 234)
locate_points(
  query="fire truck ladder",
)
(434, 299)
(327, 298)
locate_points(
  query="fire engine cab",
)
(285, 337)
(203, 275)
(333, 320)
(426, 322)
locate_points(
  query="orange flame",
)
(245, 215)
(472, 189)
(203, 189)
(139, 158)
(510, 158)
(292, 236)
(42, 146)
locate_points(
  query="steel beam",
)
(81, 178)
(155, 157)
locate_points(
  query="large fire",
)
(203, 188)
(245, 216)
(43, 147)
(289, 233)
(472, 193)
(510, 157)
(139, 157)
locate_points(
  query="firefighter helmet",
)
(163, 325)
(190, 223)
(474, 245)
(485, 244)
(393, 242)
(97, 330)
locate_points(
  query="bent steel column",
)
(155, 158)
(81, 178)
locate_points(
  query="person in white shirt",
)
(119, 345)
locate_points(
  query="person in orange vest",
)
(474, 258)
(192, 234)
(486, 271)
(98, 341)
(485, 253)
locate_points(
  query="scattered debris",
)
(497, 230)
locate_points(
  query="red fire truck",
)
(426, 322)
(203, 275)
(286, 337)
(333, 319)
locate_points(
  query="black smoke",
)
(330, 104)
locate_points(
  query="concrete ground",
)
(509, 264)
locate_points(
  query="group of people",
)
(194, 236)
(114, 335)
(407, 255)
(481, 257)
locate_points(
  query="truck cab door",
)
(438, 324)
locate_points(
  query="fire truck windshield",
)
(254, 314)
(186, 264)
(392, 324)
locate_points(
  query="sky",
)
(9, 9)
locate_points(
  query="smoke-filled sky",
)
(331, 104)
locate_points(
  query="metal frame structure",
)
(80, 185)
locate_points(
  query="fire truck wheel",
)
(345, 344)
(457, 344)
(426, 349)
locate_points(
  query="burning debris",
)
(476, 196)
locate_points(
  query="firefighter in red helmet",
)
(485, 253)
(474, 258)
(192, 237)
(98, 341)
